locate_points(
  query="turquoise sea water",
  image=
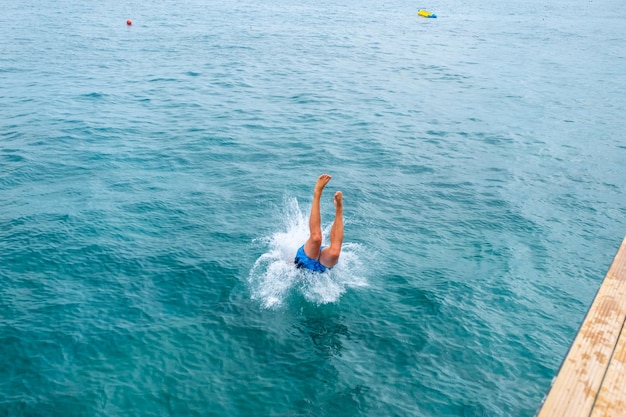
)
(155, 181)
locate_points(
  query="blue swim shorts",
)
(303, 261)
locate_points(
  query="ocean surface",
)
(156, 179)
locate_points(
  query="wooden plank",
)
(577, 385)
(611, 401)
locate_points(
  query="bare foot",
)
(321, 183)
(338, 199)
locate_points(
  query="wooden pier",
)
(592, 379)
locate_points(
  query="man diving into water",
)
(312, 255)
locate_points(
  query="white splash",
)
(274, 277)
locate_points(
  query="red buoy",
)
(129, 22)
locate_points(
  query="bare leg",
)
(330, 254)
(312, 245)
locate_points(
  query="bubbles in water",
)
(274, 277)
